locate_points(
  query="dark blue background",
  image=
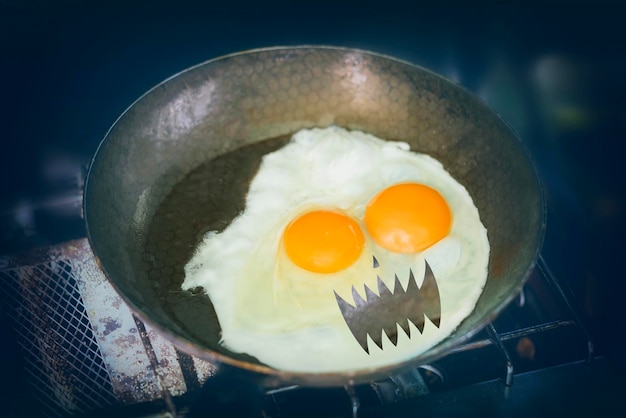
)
(71, 67)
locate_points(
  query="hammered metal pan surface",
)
(231, 111)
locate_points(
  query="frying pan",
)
(208, 127)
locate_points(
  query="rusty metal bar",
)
(560, 290)
(493, 334)
(522, 332)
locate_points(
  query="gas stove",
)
(86, 354)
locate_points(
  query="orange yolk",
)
(408, 217)
(323, 241)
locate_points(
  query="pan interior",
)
(207, 199)
(178, 162)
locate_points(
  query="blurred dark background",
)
(554, 71)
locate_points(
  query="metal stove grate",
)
(86, 354)
(84, 351)
(63, 363)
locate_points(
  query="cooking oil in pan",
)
(207, 199)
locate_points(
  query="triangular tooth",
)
(391, 331)
(413, 291)
(429, 279)
(378, 339)
(375, 262)
(436, 321)
(429, 294)
(347, 311)
(358, 300)
(370, 295)
(411, 287)
(383, 290)
(345, 307)
(404, 324)
(397, 286)
(418, 321)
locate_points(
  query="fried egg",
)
(330, 213)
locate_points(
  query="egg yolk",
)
(408, 217)
(323, 241)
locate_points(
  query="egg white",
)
(287, 317)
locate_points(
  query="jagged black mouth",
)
(377, 314)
